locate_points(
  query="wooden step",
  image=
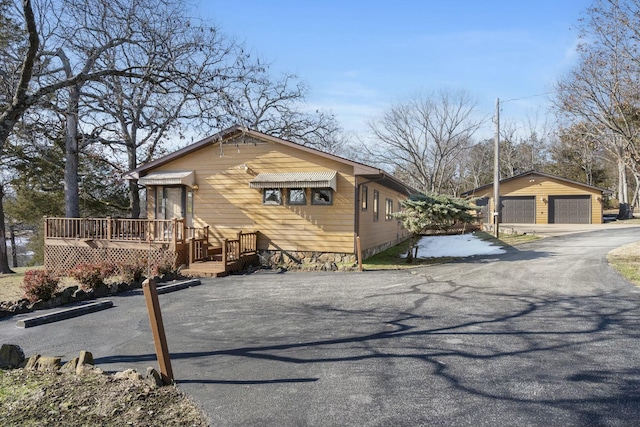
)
(205, 269)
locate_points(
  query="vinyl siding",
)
(225, 202)
(374, 233)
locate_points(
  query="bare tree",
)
(578, 155)
(476, 165)
(189, 68)
(278, 108)
(422, 139)
(37, 77)
(523, 147)
(600, 94)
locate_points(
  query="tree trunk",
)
(636, 193)
(71, 188)
(134, 193)
(14, 252)
(410, 251)
(4, 260)
(134, 198)
(624, 211)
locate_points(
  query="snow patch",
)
(460, 245)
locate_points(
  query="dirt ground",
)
(33, 398)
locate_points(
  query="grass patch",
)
(626, 260)
(15, 279)
(629, 267)
(11, 284)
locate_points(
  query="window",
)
(388, 210)
(159, 201)
(272, 196)
(376, 204)
(170, 202)
(322, 196)
(189, 201)
(365, 197)
(297, 196)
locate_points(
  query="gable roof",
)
(534, 172)
(359, 169)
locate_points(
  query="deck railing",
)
(198, 244)
(234, 249)
(171, 231)
(116, 229)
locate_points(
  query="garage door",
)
(570, 209)
(518, 210)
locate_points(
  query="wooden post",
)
(359, 249)
(239, 249)
(175, 234)
(109, 228)
(225, 244)
(46, 237)
(157, 328)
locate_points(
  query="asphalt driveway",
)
(544, 335)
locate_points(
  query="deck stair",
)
(205, 269)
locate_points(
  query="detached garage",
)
(540, 198)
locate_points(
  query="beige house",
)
(241, 197)
(307, 206)
(540, 198)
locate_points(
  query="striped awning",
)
(325, 179)
(187, 178)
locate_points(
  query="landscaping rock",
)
(9, 308)
(70, 366)
(48, 363)
(11, 356)
(32, 362)
(153, 378)
(329, 266)
(68, 294)
(129, 374)
(79, 295)
(100, 291)
(123, 287)
(85, 362)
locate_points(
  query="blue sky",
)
(360, 57)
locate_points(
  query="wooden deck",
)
(70, 241)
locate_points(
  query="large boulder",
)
(11, 356)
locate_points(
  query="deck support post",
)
(225, 249)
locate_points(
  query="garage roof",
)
(533, 172)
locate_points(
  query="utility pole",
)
(496, 173)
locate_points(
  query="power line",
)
(526, 97)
